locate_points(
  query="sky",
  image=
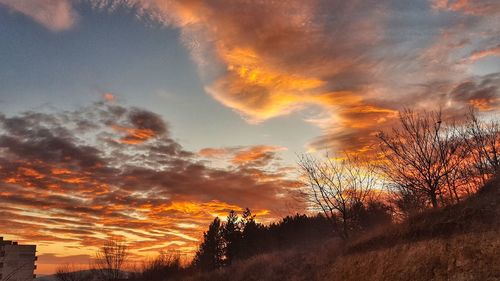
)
(144, 119)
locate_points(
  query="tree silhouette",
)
(250, 234)
(211, 251)
(423, 156)
(371, 215)
(482, 139)
(110, 260)
(337, 186)
(231, 233)
(243, 237)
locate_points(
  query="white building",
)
(17, 262)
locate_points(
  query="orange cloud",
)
(134, 135)
(477, 55)
(472, 7)
(299, 52)
(109, 97)
(254, 153)
(139, 127)
(57, 171)
(74, 195)
(214, 152)
(484, 104)
(281, 63)
(30, 173)
(349, 60)
(255, 89)
(255, 156)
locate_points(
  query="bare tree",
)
(406, 200)
(423, 157)
(110, 260)
(483, 141)
(336, 186)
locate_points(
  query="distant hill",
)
(460, 242)
(81, 273)
(46, 278)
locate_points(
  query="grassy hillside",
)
(460, 242)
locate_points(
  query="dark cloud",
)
(140, 126)
(480, 92)
(80, 180)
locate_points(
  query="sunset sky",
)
(144, 119)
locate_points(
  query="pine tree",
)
(232, 237)
(211, 251)
(250, 234)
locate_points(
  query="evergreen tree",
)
(250, 234)
(211, 251)
(231, 234)
(247, 218)
(373, 214)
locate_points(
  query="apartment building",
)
(17, 262)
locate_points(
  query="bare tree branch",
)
(336, 186)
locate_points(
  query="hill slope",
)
(460, 242)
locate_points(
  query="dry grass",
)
(461, 242)
(477, 214)
(472, 256)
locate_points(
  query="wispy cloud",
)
(354, 62)
(56, 15)
(258, 155)
(473, 7)
(480, 54)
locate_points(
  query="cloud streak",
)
(477, 55)
(82, 183)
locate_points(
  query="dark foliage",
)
(232, 235)
(211, 251)
(374, 214)
(242, 237)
